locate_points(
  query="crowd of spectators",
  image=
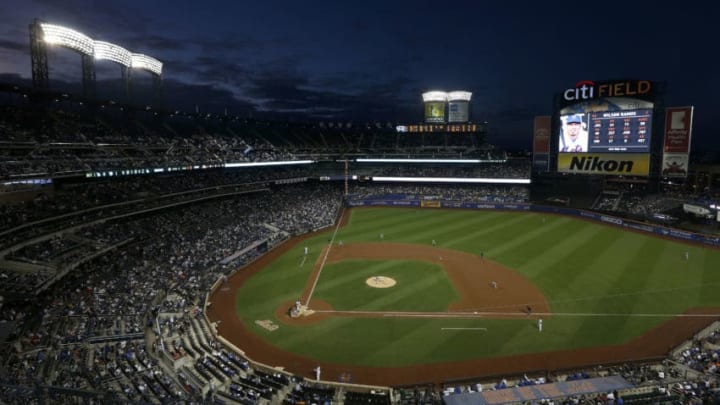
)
(454, 192)
(513, 169)
(87, 332)
(61, 140)
(656, 383)
(702, 354)
(667, 207)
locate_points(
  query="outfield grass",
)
(601, 281)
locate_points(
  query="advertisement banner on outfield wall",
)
(676, 143)
(383, 203)
(615, 164)
(541, 143)
(430, 204)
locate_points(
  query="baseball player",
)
(540, 325)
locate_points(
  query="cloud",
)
(16, 46)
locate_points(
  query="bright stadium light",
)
(363, 160)
(434, 96)
(451, 180)
(56, 34)
(107, 51)
(257, 164)
(140, 61)
(459, 96)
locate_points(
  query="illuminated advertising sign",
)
(676, 145)
(633, 164)
(541, 139)
(435, 111)
(458, 111)
(587, 90)
(440, 128)
(459, 106)
(675, 164)
(678, 129)
(541, 142)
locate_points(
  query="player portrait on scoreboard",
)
(574, 134)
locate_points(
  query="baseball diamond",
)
(444, 319)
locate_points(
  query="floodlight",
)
(140, 61)
(452, 180)
(56, 34)
(459, 96)
(434, 96)
(118, 54)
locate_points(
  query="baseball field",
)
(398, 296)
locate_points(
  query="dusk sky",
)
(370, 61)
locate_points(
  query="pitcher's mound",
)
(380, 282)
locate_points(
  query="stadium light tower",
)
(154, 66)
(42, 34)
(38, 57)
(118, 54)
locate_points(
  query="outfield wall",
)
(685, 236)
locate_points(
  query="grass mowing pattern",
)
(598, 276)
(342, 285)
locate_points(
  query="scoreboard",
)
(440, 128)
(620, 131)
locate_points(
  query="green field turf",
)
(604, 284)
(342, 285)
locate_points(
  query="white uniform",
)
(540, 325)
(306, 250)
(317, 373)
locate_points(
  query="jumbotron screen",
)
(434, 111)
(606, 126)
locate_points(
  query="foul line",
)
(516, 314)
(322, 264)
